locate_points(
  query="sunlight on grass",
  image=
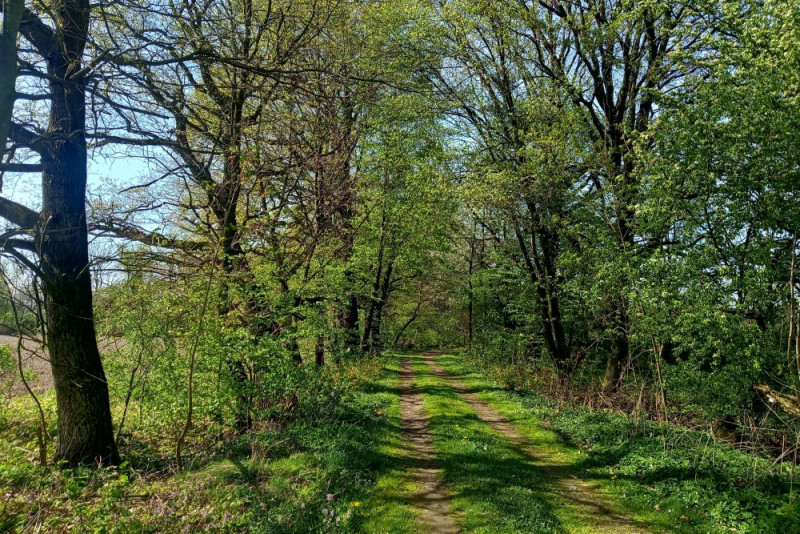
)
(673, 499)
(305, 477)
(552, 453)
(387, 509)
(495, 489)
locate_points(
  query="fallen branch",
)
(790, 403)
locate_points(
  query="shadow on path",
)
(429, 496)
(586, 504)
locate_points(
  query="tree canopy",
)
(598, 198)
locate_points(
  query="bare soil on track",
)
(429, 497)
(582, 497)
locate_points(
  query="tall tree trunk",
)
(85, 433)
(294, 349)
(541, 269)
(348, 314)
(12, 16)
(375, 294)
(368, 325)
(223, 199)
(619, 354)
(319, 351)
(348, 321)
(375, 341)
(553, 327)
(620, 343)
(470, 314)
(470, 289)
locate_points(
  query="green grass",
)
(558, 457)
(494, 487)
(306, 477)
(309, 475)
(387, 509)
(671, 478)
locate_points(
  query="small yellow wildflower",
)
(356, 503)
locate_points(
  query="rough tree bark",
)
(85, 433)
(12, 17)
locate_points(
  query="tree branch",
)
(39, 34)
(22, 136)
(20, 167)
(154, 239)
(18, 214)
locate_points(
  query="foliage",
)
(598, 200)
(283, 484)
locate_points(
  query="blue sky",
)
(104, 173)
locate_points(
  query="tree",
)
(407, 196)
(207, 96)
(527, 149)
(58, 35)
(12, 17)
(614, 59)
(720, 182)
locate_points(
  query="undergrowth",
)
(308, 475)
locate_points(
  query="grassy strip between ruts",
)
(673, 478)
(341, 472)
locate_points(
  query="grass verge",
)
(675, 479)
(331, 474)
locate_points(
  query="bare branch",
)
(124, 230)
(18, 214)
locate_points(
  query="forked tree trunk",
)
(541, 265)
(553, 328)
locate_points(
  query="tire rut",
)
(429, 497)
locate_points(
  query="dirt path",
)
(582, 497)
(431, 499)
(34, 360)
(37, 362)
